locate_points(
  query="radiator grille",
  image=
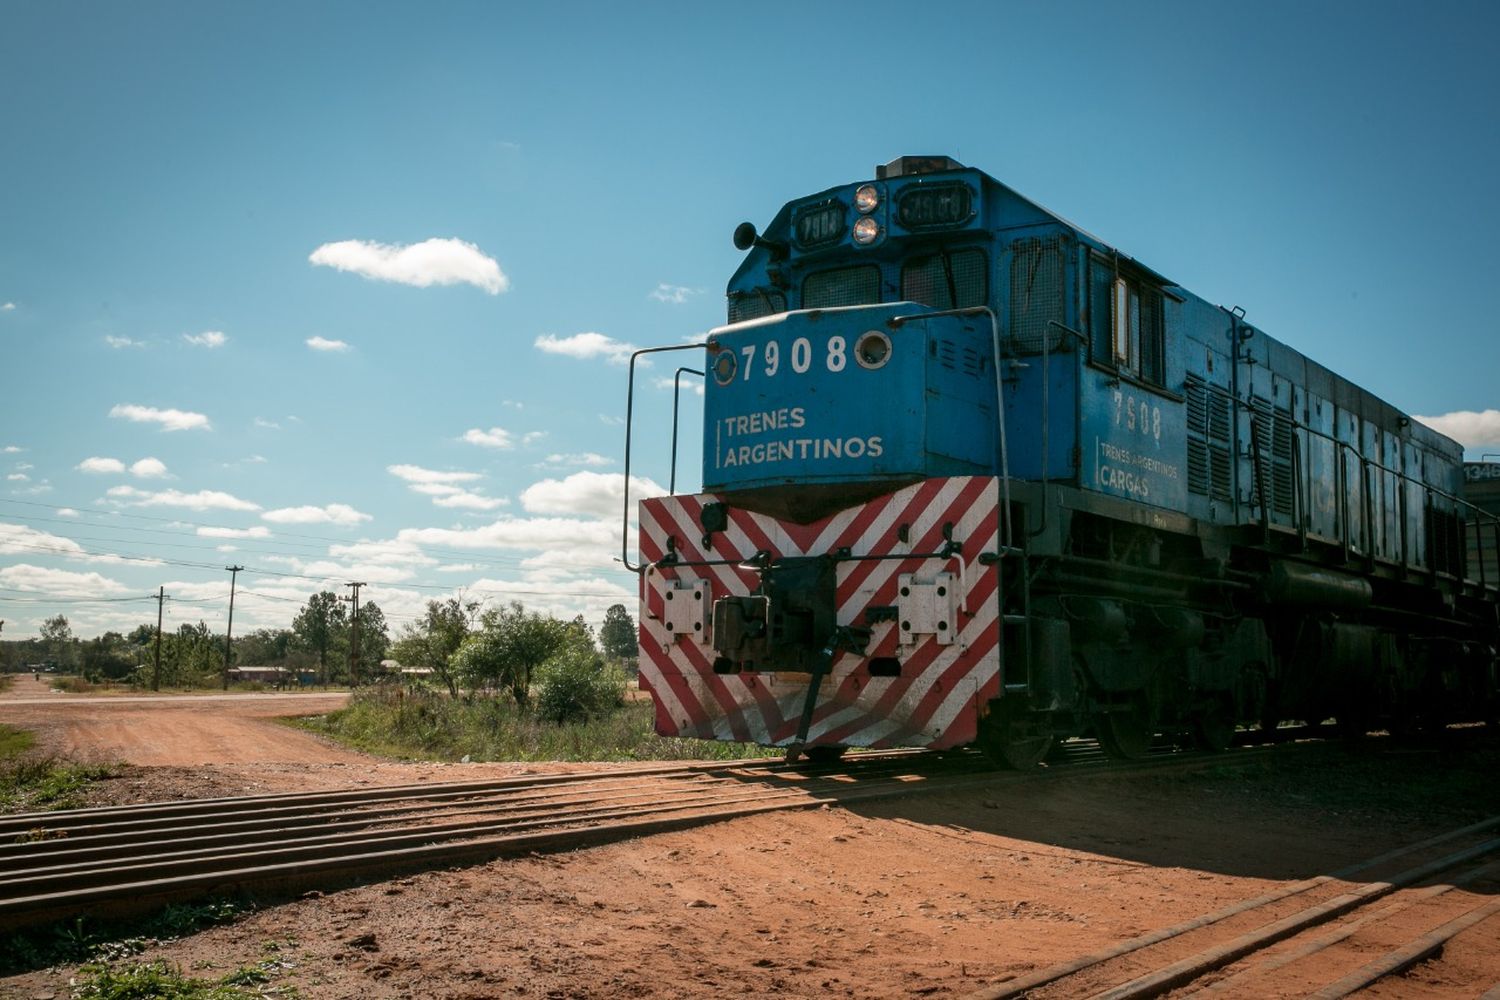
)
(845, 286)
(1036, 294)
(1208, 445)
(754, 305)
(925, 280)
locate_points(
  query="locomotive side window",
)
(1126, 328)
(844, 286)
(955, 279)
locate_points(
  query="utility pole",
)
(234, 571)
(161, 597)
(354, 634)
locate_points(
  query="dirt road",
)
(934, 896)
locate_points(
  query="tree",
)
(433, 640)
(321, 619)
(57, 636)
(374, 636)
(617, 635)
(107, 657)
(525, 640)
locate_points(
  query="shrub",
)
(576, 684)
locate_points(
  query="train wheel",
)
(824, 754)
(1019, 744)
(1213, 728)
(1126, 733)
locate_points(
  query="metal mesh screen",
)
(1036, 294)
(754, 305)
(926, 280)
(846, 286)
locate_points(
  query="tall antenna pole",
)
(234, 571)
(161, 597)
(354, 635)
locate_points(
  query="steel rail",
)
(153, 881)
(74, 853)
(1342, 933)
(1027, 984)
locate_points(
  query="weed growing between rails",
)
(428, 725)
(96, 944)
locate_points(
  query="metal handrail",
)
(676, 401)
(1479, 515)
(629, 418)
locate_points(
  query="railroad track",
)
(113, 861)
(1310, 938)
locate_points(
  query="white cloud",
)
(201, 500)
(17, 538)
(417, 474)
(1469, 428)
(66, 512)
(513, 404)
(149, 468)
(596, 493)
(18, 477)
(24, 467)
(435, 489)
(170, 420)
(58, 582)
(11, 449)
(210, 531)
(611, 420)
(269, 425)
(431, 262)
(495, 437)
(532, 534)
(470, 501)
(121, 342)
(586, 346)
(457, 567)
(383, 551)
(208, 338)
(675, 294)
(103, 466)
(334, 513)
(226, 548)
(690, 383)
(588, 458)
(7, 307)
(324, 344)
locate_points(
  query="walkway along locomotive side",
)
(970, 475)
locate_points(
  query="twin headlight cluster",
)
(866, 228)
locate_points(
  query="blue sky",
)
(170, 171)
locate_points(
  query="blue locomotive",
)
(971, 475)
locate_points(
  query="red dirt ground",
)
(928, 896)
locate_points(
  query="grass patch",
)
(14, 742)
(145, 980)
(6, 680)
(31, 781)
(99, 943)
(425, 725)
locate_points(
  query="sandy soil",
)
(930, 896)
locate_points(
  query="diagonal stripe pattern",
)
(936, 699)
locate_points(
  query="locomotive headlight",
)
(866, 231)
(872, 350)
(866, 198)
(725, 366)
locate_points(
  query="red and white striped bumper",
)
(945, 676)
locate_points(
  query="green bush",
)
(576, 685)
